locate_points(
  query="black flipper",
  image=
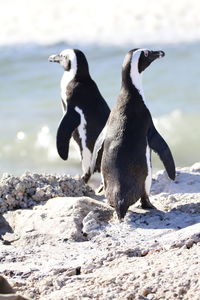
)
(158, 145)
(97, 149)
(68, 124)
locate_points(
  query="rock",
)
(96, 218)
(195, 167)
(7, 292)
(131, 296)
(59, 218)
(5, 287)
(146, 291)
(30, 189)
(151, 296)
(189, 243)
(4, 226)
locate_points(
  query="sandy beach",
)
(61, 241)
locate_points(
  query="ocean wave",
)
(181, 131)
(36, 151)
(99, 22)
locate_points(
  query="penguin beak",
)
(54, 58)
(157, 54)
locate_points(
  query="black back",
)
(124, 164)
(83, 68)
(83, 93)
(129, 130)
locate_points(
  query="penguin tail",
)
(121, 208)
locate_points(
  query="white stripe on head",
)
(68, 75)
(136, 77)
(72, 57)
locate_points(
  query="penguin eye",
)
(146, 53)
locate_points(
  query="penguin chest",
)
(149, 170)
(66, 78)
(82, 133)
(63, 90)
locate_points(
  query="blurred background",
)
(30, 31)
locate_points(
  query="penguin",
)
(127, 140)
(85, 110)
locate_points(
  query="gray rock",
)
(29, 189)
(59, 218)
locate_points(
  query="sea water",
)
(30, 106)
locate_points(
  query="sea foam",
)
(104, 22)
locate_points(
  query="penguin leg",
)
(86, 176)
(100, 189)
(145, 202)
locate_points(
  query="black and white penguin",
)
(85, 110)
(127, 140)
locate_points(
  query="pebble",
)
(30, 189)
(189, 243)
(146, 291)
(131, 296)
(150, 296)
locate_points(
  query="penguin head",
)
(142, 58)
(136, 61)
(146, 57)
(73, 61)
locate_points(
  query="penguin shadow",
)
(190, 181)
(178, 218)
(190, 208)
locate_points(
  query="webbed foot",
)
(146, 204)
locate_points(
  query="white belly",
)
(65, 80)
(86, 154)
(149, 176)
(63, 86)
